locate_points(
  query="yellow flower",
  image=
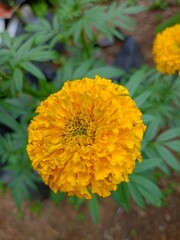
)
(166, 50)
(86, 137)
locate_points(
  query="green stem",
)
(85, 46)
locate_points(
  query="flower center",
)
(79, 129)
(78, 126)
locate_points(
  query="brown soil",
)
(64, 222)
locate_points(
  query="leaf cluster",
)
(18, 56)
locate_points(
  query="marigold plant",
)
(86, 137)
(166, 50)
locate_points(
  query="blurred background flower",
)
(166, 50)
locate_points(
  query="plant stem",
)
(85, 46)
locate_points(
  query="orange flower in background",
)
(7, 9)
(86, 137)
(166, 50)
(5, 12)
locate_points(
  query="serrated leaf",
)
(87, 29)
(134, 9)
(147, 184)
(29, 67)
(151, 130)
(141, 99)
(45, 24)
(40, 55)
(82, 70)
(164, 169)
(17, 41)
(77, 30)
(24, 49)
(94, 208)
(6, 39)
(169, 134)
(18, 79)
(147, 118)
(168, 157)
(43, 38)
(175, 145)
(135, 80)
(170, 22)
(56, 24)
(33, 28)
(117, 33)
(136, 194)
(156, 201)
(147, 164)
(9, 121)
(121, 196)
(123, 24)
(12, 107)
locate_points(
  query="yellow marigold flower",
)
(166, 50)
(86, 137)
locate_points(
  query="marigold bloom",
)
(166, 50)
(86, 137)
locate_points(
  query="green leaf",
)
(149, 196)
(10, 105)
(46, 25)
(169, 134)
(107, 72)
(6, 39)
(147, 164)
(75, 201)
(36, 207)
(147, 184)
(94, 208)
(87, 29)
(40, 55)
(18, 41)
(134, 9)
(175, 145)
(117, 33)
(136, 194)
(33, 28)
(77, 30)
(135, 80)
(57, 197)
(82, 70)
(29, 67)
(147, 118)
(18, 79)
(24, 49)
(170, 22)
(151, 130)
(121, 196)
(56, 23)
(9, 121)
(164, 169)
(19, 187)
(142, 98)
(168, 157)
(122, 24)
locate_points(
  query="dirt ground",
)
(64, 222)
